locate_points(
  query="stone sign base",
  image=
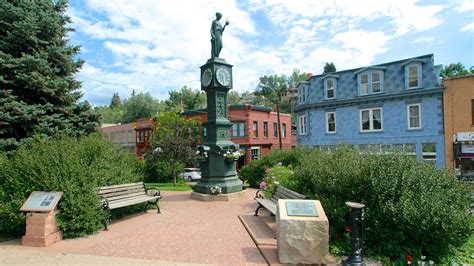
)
(220, 197)
(41, 230)
(300, 239)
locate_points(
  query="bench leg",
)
(105, 225)
(258, 208)
(146, 206)
(157, 206)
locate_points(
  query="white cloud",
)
(465, 6)
(468, 27)
(423, 39)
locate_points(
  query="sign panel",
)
(465, 136)
(301, 208)
(40, 201)
(467, 148)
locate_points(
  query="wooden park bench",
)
(118, 196)
(279, 192)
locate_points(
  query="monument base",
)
(219, 197)
(229, 184)
(41, 230)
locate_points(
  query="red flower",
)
(408, 258)
(347, 229)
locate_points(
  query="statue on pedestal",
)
(216, 35)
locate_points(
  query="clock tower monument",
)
(218, 155)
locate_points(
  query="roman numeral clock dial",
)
(223, 76)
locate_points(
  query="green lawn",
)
(169, 186)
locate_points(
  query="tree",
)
(140, 105)
(455, 70)
(233, 97)
(175, 138)
(185, 99)
(329, 68)
(272, 87)
(115, 102)
(39, 94)
(296, 77)
(109, 115)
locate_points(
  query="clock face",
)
(206, 77)
(223, 76)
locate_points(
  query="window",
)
(255, 153)
(375, 82)
(472, 112)
(414, 116)
(371, 120)
(265, 129)
(370, 83)
(130, 136)
(302, 124)
(255, 129)
(428, 152)
(238, 129)
(413, 76)
(364, 84)
(284, 130)
(301, 95)
(204, 132)
(330, 89)
(275, 130)
(331, 122)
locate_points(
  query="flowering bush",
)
(275, 175)
(215, 190)
(233, 155)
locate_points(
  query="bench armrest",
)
(157, 193)
(258, 195)
(105, 203)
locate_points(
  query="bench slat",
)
(119, 204)
(119, 186)
(289, 192)
(111, 190)
(131, 195)
(268, 205)
(119, 193)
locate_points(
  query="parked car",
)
(191, 174)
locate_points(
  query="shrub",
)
(254, 172)
(76, 167)
(411, 208)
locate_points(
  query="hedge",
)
(76, 167)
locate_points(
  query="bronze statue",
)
(216, 35)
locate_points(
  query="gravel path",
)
(186, 231)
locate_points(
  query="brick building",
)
(254, 128)
(122, 135)
(458, 101)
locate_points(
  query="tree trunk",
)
(174, 176)
(279, 126)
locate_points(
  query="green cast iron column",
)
(216, 81)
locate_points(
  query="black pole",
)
(356, 258)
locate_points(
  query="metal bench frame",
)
(279, 192)
(118, 196)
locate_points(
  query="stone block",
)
(41, 218)
(41, 230)
(221, 197)
(301, 239)
(41, 241)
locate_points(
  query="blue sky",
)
(158, 46)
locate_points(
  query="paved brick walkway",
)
(186, 231)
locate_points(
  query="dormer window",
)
(330, 88)
(413, 76)
(301, 94)
(370, 83)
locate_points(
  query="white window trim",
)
(333, 88)
(302, 125)
(327, 123)
(369, 82)
(259, 153)
(301, 95)
(419, 116)
(371, 121)
(407, 77)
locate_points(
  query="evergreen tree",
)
(115, 102)
(37, 66)
(329, 68)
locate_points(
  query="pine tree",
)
(115, 102)
(39, 95)
(329, 68)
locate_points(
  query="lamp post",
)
(356, 258)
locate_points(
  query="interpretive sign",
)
(301, 208)
(40, 201)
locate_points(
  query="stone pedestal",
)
(41, 229)
(221, 197)
(300, 239)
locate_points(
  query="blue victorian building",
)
(395, 106)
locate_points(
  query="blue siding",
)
(393, 100)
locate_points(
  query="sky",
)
(157, 46)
